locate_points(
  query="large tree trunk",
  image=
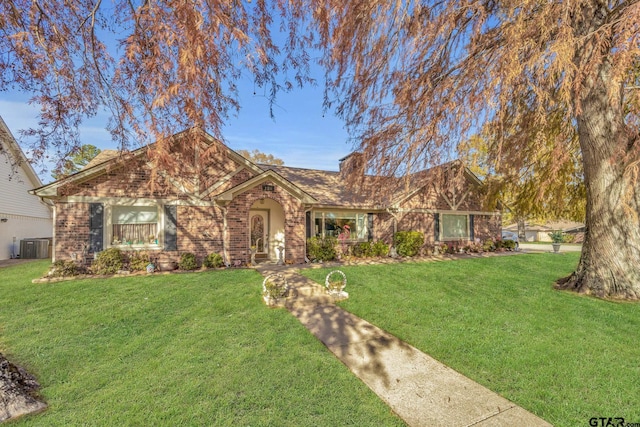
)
(610, 263)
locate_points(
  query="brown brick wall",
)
(383, 227)
(71, 230)
(137, 179)
(429, 198)
(422, 222)
(131, 181)
(487, 226)
(200, 230)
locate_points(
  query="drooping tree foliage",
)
(553, 86)
(156, 67)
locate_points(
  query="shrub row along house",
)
(216, 201)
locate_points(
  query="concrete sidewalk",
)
(418, 388)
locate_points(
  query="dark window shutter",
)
(170, 228)
(96, 226)
(436, 228)
(308, 224)
(471, 231)
(370, 226)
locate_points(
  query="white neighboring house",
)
(22, 215)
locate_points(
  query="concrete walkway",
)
(418, 388)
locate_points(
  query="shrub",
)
(474, 247)
(509, 244)
(213, 261)
(556, 236)
(488, 245)
(187, 261)
(275, 288)
(65, 268)
(362, 250)
(138, 261)
(568, 238)
(319, 249)
(379, 249)
(408, 243)
(107, 262)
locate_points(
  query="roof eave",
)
(287, 185)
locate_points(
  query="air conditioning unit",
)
(34, 248)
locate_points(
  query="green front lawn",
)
(184, 349)
(565, 357)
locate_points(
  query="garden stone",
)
(18, 391)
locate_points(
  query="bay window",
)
(349, 225)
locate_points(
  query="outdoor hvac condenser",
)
(34, 248)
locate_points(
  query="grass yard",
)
(185, 349)
(565, 357)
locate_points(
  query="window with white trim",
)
(454, 227)
(134, 225)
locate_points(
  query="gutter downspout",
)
(225, 234)
(306, 260)
(53, 234)
(393, 212)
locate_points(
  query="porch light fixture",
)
(4, 219)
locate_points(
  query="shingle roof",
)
(331, 189)
(102, 157)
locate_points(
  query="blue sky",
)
(299, 134)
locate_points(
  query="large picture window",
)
(134, 225)
(335, 224)
(455, 227)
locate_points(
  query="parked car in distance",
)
(510, 235)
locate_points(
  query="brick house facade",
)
(216, 201)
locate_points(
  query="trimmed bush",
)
(65, 268)
(379, 249)
(138, 261)
(213, 261)
(108, 262)
(408, 243)
(362, 250)
(488, 245)
(187, 261)
(319, 249)
(509, 244)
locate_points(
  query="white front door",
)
(259, 232)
